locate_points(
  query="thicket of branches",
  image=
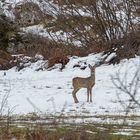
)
(94, 21)
(90, 22)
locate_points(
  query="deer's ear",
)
(89, 66)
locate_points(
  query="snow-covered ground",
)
(50, 91)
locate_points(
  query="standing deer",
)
(89, 82)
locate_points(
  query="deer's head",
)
(92, 69)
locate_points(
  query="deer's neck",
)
(92, 74)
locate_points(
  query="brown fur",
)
(89, 82)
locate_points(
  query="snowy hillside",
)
(49, 91)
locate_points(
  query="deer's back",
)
(80, 82)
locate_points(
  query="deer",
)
(88, 82)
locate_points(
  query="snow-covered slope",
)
(50, 91)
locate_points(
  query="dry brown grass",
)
(56, 133)
(5, 55)
(5, 59)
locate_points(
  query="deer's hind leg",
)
(74, 95)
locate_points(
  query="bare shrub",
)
(126, 47)
(58, 58)
(91, 22)
(5, 59)
(128, 88)
(55, 52)
(5, 55)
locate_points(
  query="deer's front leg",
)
(91, 95)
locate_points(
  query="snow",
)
(49, 91)
(110, 57)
